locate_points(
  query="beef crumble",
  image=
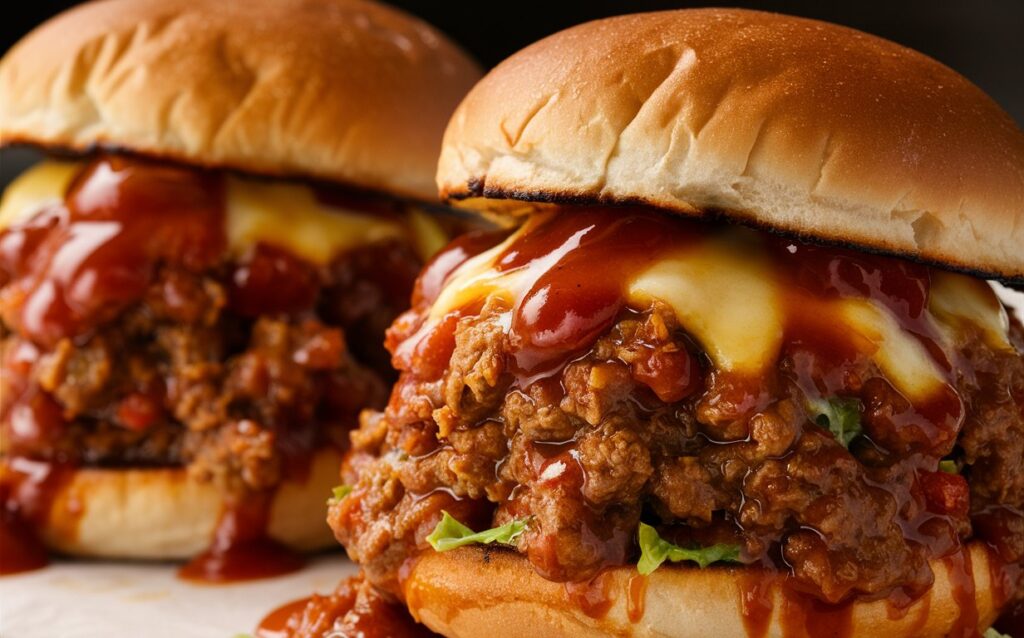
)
(156, 346)
(591, 451)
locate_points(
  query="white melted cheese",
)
(286, 215)
(726, 295)
(959, 301)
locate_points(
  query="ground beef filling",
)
(238, 383)
(594, 450)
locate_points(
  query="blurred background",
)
(982, 39)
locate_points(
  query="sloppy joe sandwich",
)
(195, 285)
(737, 367)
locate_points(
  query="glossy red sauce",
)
(577, 266)
(636, 598)
(592, 597)
(580, 266)
(354, 609)
(74, 265)
(275, 624)
(801, 616)
(269, 280)
(757, 601)
(241, 549)
(28, 491)
(964, 593)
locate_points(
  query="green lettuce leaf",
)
(841, 417)
(450, 534)
(992, 633)
(654, 550)
(948, 466)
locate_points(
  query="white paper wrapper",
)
(92, 600)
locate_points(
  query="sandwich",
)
(194, 285)
(736, 367)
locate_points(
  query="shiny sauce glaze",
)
(353, 609)
(77, 264)
(241, 549)
(28, 492)
(74, 265)
(564, 279)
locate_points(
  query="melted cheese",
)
(725, 294)
(960, 301)
(281, 214)
(289, 216)
(40, 186)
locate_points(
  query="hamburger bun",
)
(475, 592)
(163, 514)
(803, 127)
(343, 90)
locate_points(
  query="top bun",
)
(795, 125)
(344, 90)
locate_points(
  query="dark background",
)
(982, 39)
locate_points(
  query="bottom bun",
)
(476, 592)
(163, 514)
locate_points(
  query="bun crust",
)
(799, 126)
(162, 514)
(343, 90)
(472, 592)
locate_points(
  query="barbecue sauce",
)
(241, 549)
(353, 609)
(28, 492)
(568, 275)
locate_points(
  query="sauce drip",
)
(241, 549)
(578, 267)
(757, 602)
(803, 617)
(72, 266)
(275, 624)
(28, 491)
(960, 569)
(636, 598)
(592, 597)
(571, 271)
(354, 609)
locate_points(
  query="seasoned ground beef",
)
(602, 445)
(191, 375)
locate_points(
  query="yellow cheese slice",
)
(724, 295)
(41, 185)
(282, 214)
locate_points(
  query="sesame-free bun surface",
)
(469, 592)
(162, 514)
(796, 125)
(343, 90)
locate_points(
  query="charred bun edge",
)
(477, 189)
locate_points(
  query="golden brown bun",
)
(163, 514)
(792, 124)
(344, 90)
(468, 593)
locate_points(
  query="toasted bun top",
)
(471, 592)
(343, 90)
(796, 125)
